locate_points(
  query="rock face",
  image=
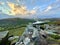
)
(32, 36)
(3, 37)
(41, 41)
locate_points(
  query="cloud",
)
(20, 9)
(0, 11)
(48, 9)
(18, 1)
(41, 1)
(17, 9)
(51, 9)
(57, 0)
(33, 11)
(1, 3)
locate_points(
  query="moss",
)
(55, 36)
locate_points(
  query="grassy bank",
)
(17, 32)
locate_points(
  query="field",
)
(15, 26)
(17, 32)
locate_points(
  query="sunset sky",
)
(30, 8)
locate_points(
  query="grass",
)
(17, 32)
(53, 40)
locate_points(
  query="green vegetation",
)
(55, 36)
(50, 39)
(17, 32)
(15, 26)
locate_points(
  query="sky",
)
(30, 8)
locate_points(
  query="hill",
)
(15, 26)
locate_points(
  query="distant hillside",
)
(52, 19)
(11, 23)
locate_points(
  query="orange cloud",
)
(19, 9)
